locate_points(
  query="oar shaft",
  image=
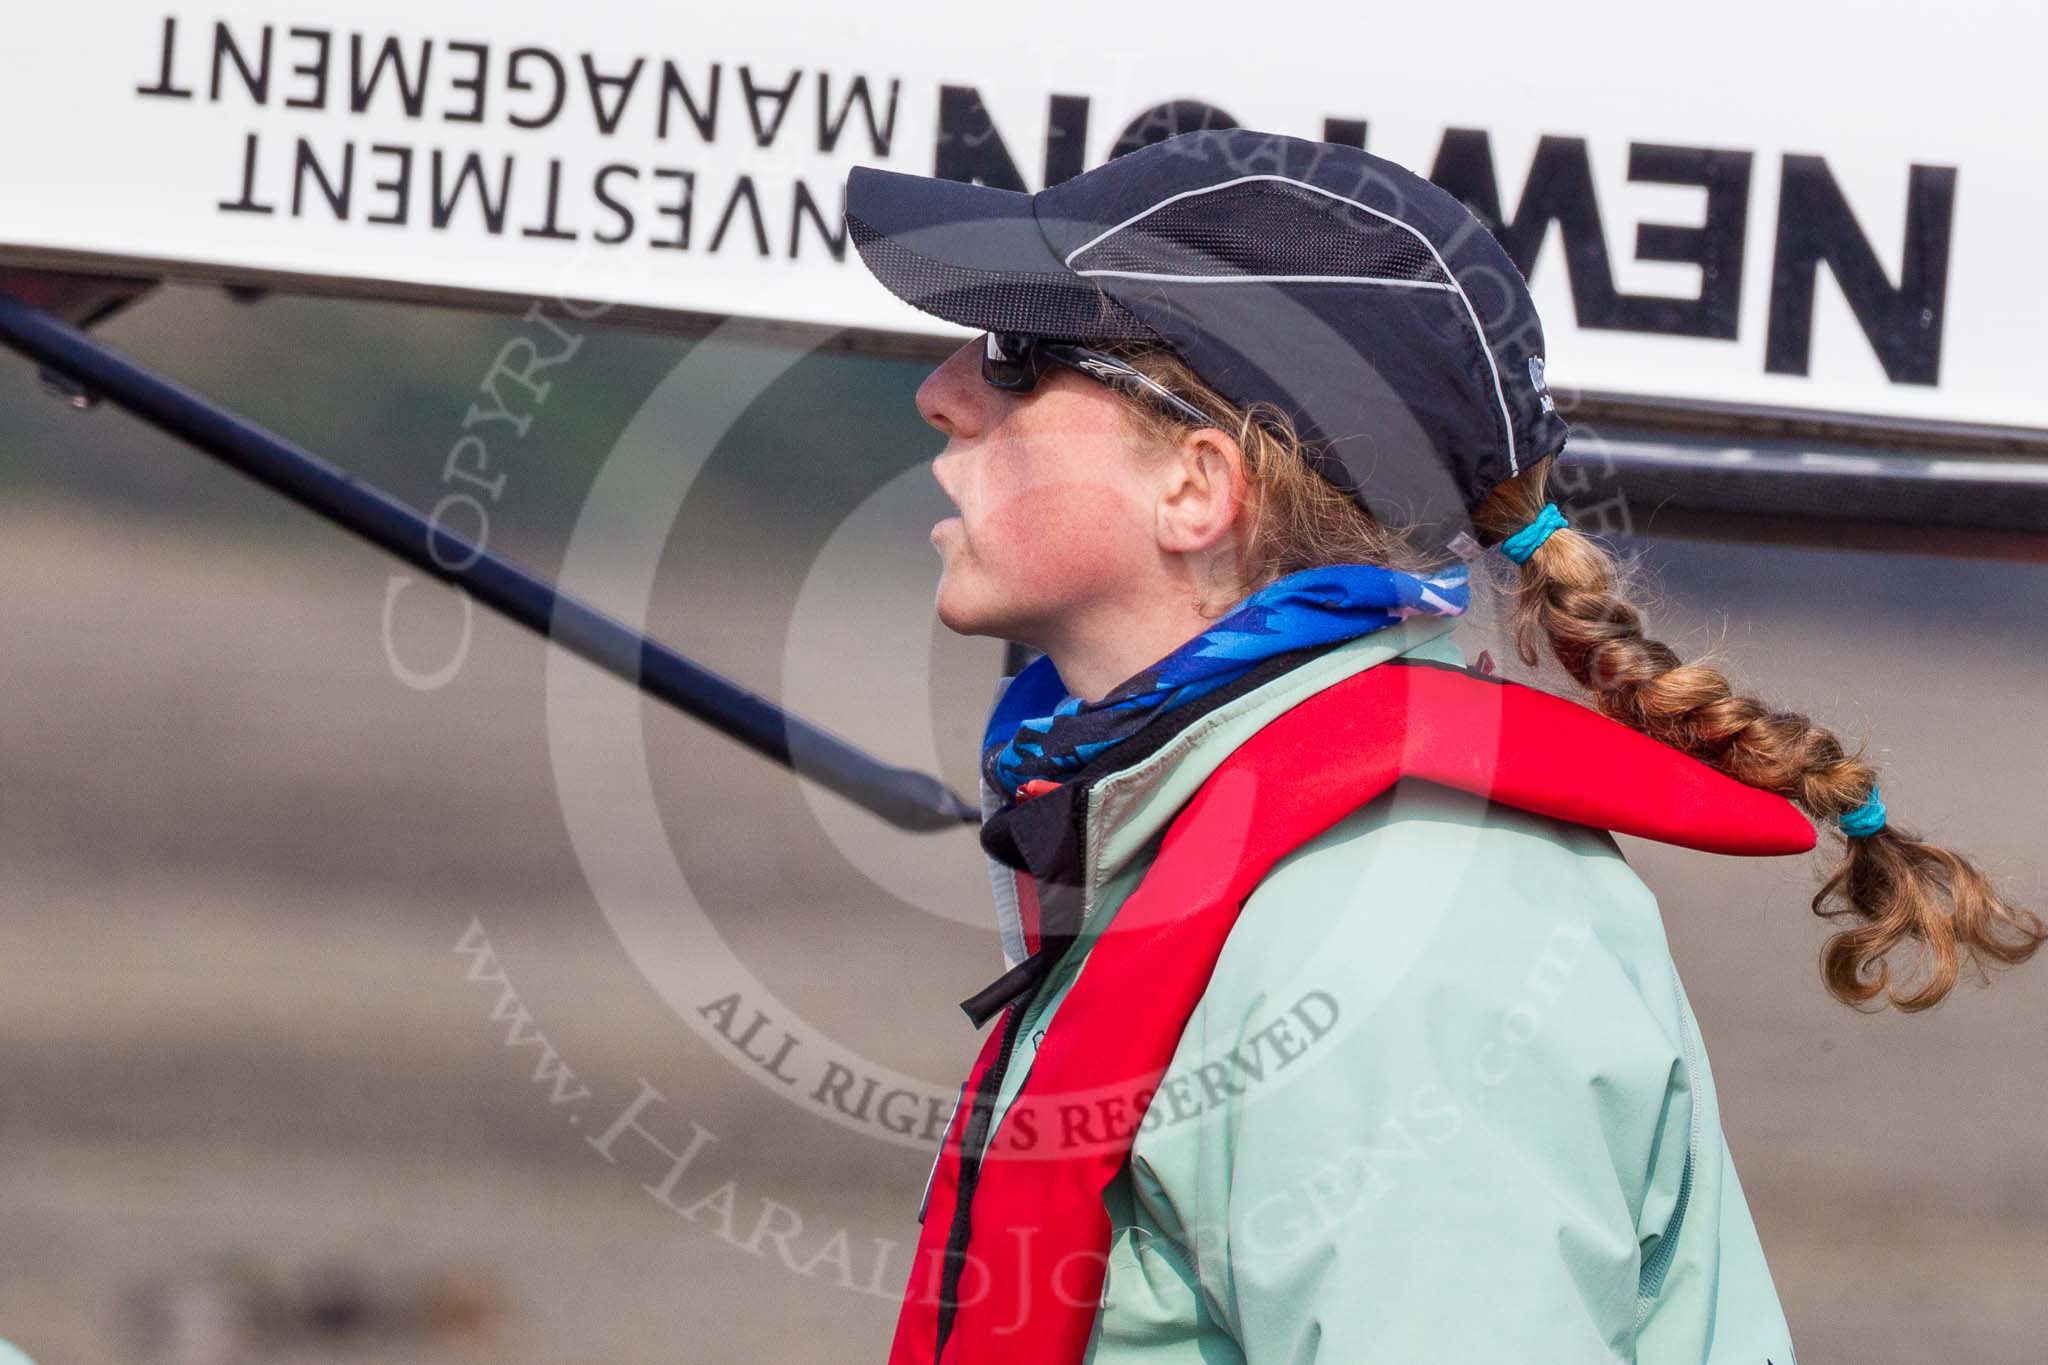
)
(909, 799)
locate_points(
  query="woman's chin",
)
(961, 614)
(955, 616)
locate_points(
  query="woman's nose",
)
(953, 398)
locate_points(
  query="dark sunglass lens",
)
(1006, 361)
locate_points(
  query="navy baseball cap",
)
(1364, 302)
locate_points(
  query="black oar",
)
(909, 799)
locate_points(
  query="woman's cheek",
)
(1053, 544)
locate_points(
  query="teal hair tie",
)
(1524, 542)
(1867, 819)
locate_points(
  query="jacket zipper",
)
(973, 1141)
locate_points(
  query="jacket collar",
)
(1075, 839)
(1130, 808)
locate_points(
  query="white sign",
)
(1762, 203)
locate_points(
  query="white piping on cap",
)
(1499, 393)
(1268, 279)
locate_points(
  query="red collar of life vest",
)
(1011, 1259)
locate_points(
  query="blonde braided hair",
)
(1889, 890)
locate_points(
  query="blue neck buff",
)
(1038, 731)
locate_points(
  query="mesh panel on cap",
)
(1265, 227)
(1061, 306)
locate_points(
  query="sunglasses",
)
(1014, 362)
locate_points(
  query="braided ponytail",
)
(1891, 888)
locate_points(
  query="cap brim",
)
(974, 255)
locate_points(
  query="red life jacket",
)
(1011, 1259)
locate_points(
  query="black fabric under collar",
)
(1046, 835)
(1042, 836)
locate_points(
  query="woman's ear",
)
(1202, 488)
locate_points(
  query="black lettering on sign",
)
(673, 88)
(323, 41)
(1163, 121)
(679, 211)
(471, 171)
(1715, 246)
(551, 228)
(1815, 224)
(164, 88)
(304, 163)
(1066, 138)
(968, 147)
(400, 188)
(778, 97)
(362, 89)
(247, 203)
(1345, 132)
(829, 128)
(1464, 167)
(257, 82)
(515, 81)
(608, 122)
(833, 233)
(472, 84)
(1560, 190)
(743, 189)
(624, 212)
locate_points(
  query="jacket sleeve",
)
(1435, 1102)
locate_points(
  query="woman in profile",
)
(1334, 1026)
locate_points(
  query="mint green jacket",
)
(1443, 1101)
